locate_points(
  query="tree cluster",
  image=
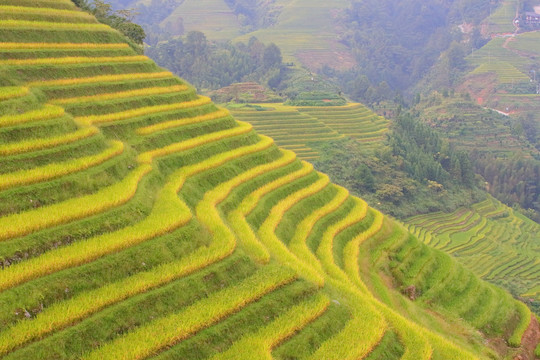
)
(121, 20)
(210, 65)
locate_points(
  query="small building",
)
(532, 18)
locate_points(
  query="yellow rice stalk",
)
(238, 221)
(21, 224)
(101, 78)
(146, 157)
(352, 251)
(325, 250)
(298, 242)
(168, 213)
(260, 344)
(237, 218)
(11, 92)
(47, 25)
(45, 113)
(147, 339)
(122, 94)
(55, 170)
(40, 144)
(361, 334)
(277, 248)
(60, 46)
(45, 11)
(75, 60)
(123, 115)
(182, 122)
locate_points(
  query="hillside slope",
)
(139, 220)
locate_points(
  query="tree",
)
(272, 56)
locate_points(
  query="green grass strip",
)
(64, 46)
(237, 217)
(55, 26)
(11, 92)
(260, 344)
(55, 170)
(267, 231)
(122, 94)
(75, 60)
(98, 119)
(166, 331)
(45, 113)
(40, 144)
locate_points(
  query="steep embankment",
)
(139, 220)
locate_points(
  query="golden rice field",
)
(138, 220)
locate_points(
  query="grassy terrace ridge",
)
(138, 219)
(478, 236)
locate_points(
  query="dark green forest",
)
(211, 65)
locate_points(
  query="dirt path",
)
(530, 339)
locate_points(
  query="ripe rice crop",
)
(298, 242)
(10, 92)
(21, 224)
(73, 14)
(260, 344)
(277, 248)
(42, 46)
(182, 122)
(147, 157)
(102, 78)
(123, 94)
(39, 144)
(54, 170)
(75, 60)
(98, 119)
(171, 213)
(150, 338)
(46, 25)
(237, 217)
(45, 113)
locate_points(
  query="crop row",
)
(60, 46)
(237, 217)
(55, 170)
(148, 339)
(44, 14)
(260, 344)
(11, 92)
(182, 122)
(56, 4)
(75, 60)
(43, 143)
(45, 113)
(100, 119)
(46, 25)
(122, 94)
(276, 247)
(101, 78)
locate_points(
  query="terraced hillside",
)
(295, 128)
(139, 220)
(498, 244)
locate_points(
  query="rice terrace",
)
(140, 220)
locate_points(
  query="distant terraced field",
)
(295, 128)
(491, 239)
(138, 220)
